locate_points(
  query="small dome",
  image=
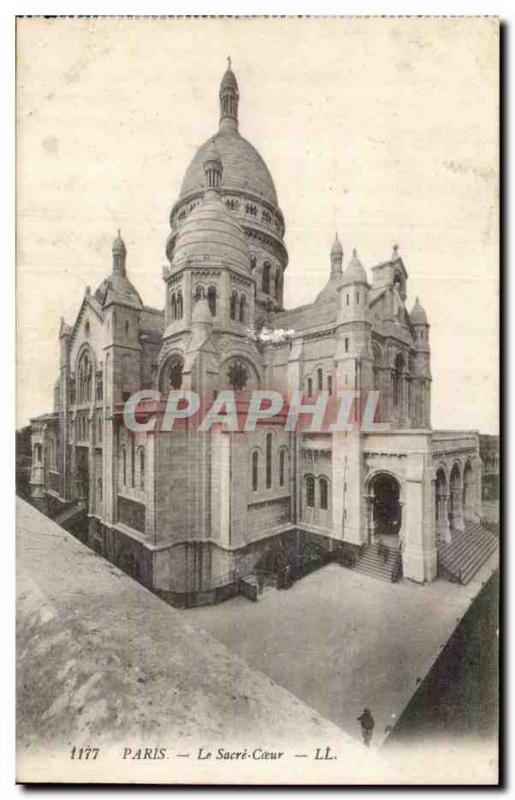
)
(418, 316)
(119, 244)
(336, 249)
(212, 232)
(201, 313)
(355, 272)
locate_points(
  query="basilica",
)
(196, 516)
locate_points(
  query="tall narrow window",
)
(330, 384)
(282, 467)
(234, 303)
(255, 467)
(347, 299)
(243, 308)
(346, 344)
(133, 464)
(266, 278)
(268, 460)
(320, 379)
(310, 491)
(310, 387)
(124, 467)
(174, 307)
(277, 285)
(324, 494)
(141, 468)
(99, 488)
(180, 306)
(211, 300)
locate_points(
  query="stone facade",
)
(190, 513)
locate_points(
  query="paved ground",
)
(341, 641)
(103, 662)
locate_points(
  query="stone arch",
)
(385, 497)
(456, 497)
(469, 483)
(441, 497)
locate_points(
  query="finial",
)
(395, 252)
(354, 252)
(228, 62)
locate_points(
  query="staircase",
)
(372, 563)
(460, 559)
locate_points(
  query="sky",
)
(385, 130)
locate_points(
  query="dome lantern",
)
(229, 97)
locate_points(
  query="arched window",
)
(211, 300)
(243, 308)
(266, 278)
(141, 468)
(310, 491)
(180, 305)
(85, 378)
(282, 467)
(346, 342)
(174, 307)
(255, 468)
(330, 384)
(268, 460)
(357, 298)
(126, 327)
(199, 293)
(324, 493)
(253, 262)
(277, 284)
(320, 379)
(99, 488)
(233, 304)
(310, 387)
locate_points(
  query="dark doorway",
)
(387, 508)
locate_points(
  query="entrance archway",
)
(386, 507)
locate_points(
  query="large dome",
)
(244, 169)
(211, 232)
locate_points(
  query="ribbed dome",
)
(355, 272)
(212, 231)
(244, 169)
(418, 316)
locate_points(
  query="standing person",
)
(367, 722)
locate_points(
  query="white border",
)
(504, 9)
